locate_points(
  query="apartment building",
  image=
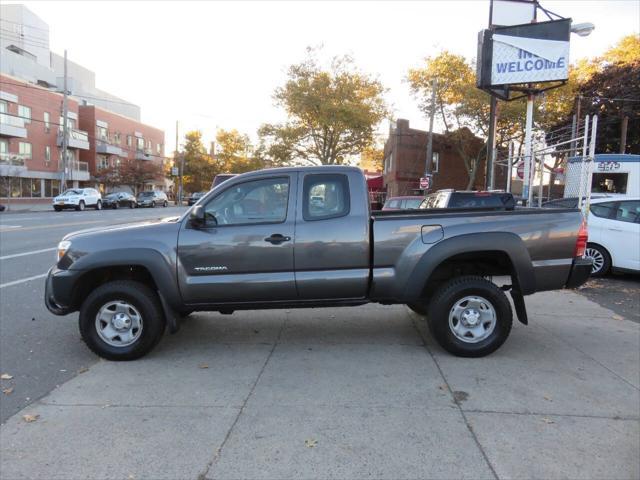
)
(115, 138)
(31, 141)
(405, 155)
(103, 128)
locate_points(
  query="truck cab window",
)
(258, 201)
(325, 196)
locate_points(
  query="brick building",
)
(405, 154)
(31, 139)
(116, 138)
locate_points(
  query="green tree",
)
(372, 158)
(609, 86)
(199, 167)
(136, 173)
(235, 153)
(332, 113)
(461, 105)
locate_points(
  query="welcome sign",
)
(528, 60)
(522, 54)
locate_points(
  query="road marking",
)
(22, 280)
(7, 257)
(8, 227)
(55, 225)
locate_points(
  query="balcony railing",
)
(12, 126)
(146, 154)
(14, 159)
(75, 139)
(107, 148)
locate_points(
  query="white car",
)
(614, 235)
(78, 198)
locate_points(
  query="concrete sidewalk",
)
(347, 393)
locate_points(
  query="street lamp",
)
(583, 29)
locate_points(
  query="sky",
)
(213, 65)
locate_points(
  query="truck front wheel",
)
(121, 320)
(469, 316)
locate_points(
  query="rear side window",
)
(603, 210)
(628, 211)
(325, 196)
(393, 203)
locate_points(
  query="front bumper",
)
(580, 272)
(58, 291)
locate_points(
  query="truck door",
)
(244, 252)
(332, 236)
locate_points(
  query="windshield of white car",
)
(72, 192)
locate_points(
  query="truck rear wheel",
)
(469, 316)
(121, 320)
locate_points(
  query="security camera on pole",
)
(520, 55)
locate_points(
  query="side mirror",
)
(196, 217)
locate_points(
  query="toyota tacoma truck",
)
(305, 237)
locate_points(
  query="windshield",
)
(145, 194)
(72, 192)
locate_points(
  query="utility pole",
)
(623, 134)
(429, 165)
(178, 156)
(65, 133)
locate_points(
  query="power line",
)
(34, 87)
(92, 137)
(24, 25)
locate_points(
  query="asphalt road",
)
(34, 344)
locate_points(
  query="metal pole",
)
(491, 142)
(429, 165)
(585, 141)
(175, 160)
(65, 132)
(527, 192)
(510, 166)
(592, 157)
(541, 184)
(572, 151)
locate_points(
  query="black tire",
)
(132, 205)
(116, 205)
(98, 205)
(136, 294)
(153, 204)
(419, 308)
(601, 259)
(441, 306)
(57, 209)
(80, 206)
(165, 204)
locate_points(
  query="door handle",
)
(277, 239)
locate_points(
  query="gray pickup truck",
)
(305, 237)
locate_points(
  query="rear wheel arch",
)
(453, 257)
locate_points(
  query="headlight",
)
(63, 246)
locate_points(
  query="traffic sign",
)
(425, 182)
(521, 170)
(175, 171)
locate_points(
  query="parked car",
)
(195, 197)
(614, 235)
(468, 199)
(2, 208)
(119, 199)
(78, 198)
(222, 177)
(258, 241)
(152, 199)
(568, 202)
(402, 203)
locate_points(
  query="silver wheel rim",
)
(472, 319)
(119, 323)
(597, 257)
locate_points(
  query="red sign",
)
(521, 170)
(425, 183)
